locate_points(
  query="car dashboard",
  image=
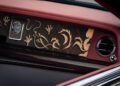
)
(50, 47)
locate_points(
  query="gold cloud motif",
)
(55, 43)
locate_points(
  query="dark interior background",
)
(14, 75)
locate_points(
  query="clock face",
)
(17, 26)
(16, 30)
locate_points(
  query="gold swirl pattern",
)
(89, 36)
(84, 45)
(67, 37)
(61, 39)
(55, 43)
(79, 43)
(38, 25)
(28, 22)
(30, 25)
(40, 41)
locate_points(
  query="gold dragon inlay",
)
(61, 39)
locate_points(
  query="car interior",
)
(48, 42)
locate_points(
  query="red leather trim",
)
(61, 12)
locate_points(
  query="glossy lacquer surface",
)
(12, 75)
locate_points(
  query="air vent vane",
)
(106, 46)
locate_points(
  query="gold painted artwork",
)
(54, 37)
(46, 41)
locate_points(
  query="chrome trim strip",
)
(109, 81)
(91, 79)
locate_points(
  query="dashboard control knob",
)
(113, 58)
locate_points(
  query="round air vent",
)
(106, 46)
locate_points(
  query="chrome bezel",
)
(114, 44)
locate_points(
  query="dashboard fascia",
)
(56, 36)
(40, 10)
